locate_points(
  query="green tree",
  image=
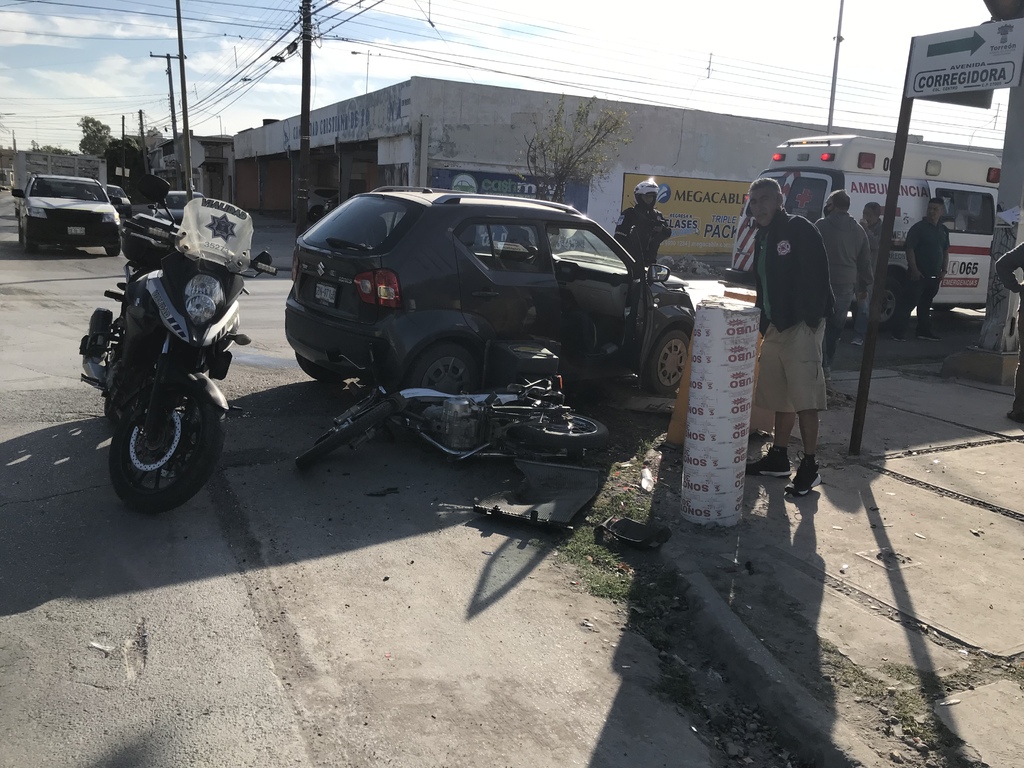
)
(579, 148)
(49, 148)
(95, 136)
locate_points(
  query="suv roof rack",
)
(425, 190)
(452, 197)
(457, 197)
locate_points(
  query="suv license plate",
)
(76, 230)
(326, 293)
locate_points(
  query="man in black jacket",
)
(794, 296)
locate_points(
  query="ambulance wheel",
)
(895, 289)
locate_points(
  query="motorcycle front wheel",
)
(573, 434)
(158, 477)
(350, 426)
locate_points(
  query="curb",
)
(803, 725)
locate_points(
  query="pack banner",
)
(704, 213)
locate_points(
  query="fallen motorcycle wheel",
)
(166, 475)
(573, 435)
(351, 427)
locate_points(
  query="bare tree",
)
(580, 148)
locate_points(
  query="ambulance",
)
(809, 169)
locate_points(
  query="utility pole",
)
(302, 198)
(174, 119)
(142, 144)
(835, 70)
(187, 142)
(124, 169)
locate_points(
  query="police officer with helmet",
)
(642, 228)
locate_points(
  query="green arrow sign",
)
(971, 44)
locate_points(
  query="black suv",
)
(441, 289)
(68, 211)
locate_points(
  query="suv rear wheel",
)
(447, 367)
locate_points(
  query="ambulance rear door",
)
(803, 193)
(970, 218)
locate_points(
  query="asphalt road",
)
(357, 615)
(360, 615)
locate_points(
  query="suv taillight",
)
(379, 287)
(295, 264)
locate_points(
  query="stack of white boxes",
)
(723, 354)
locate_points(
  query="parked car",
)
(175, 202)
(124, 208)
(438, 288)
(67, 211)
(321, 200)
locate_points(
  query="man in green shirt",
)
(927, 259)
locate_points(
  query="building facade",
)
(441, 133)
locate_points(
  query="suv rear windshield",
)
(364, 223)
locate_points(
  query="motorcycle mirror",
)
(263, 258)
(154, 188)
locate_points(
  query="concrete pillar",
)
(999, 331)
(994, 359)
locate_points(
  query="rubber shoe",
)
(857, 341)
(806, 478)
(929, 336)
(775, 463)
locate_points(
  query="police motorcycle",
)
(156, 361)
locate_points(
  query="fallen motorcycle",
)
(156, 361)
(522, 421)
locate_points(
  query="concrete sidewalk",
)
(879, 617)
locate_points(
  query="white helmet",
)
(646, 193)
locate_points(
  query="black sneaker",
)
(898, 337)
(775, 463)
(929, 336)
(806, 478)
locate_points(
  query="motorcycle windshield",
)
(212, 230)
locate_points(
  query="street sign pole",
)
(867, 365)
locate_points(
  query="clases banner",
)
(704, 213)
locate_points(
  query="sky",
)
(61, 60)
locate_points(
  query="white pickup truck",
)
(67, 211)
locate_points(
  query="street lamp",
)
(367, 54)
(835, 70)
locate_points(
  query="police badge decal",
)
(783, 248)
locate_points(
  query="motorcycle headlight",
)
(36, 213)
(203, 297)
(111, 218)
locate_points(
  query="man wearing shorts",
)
(794, 296)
